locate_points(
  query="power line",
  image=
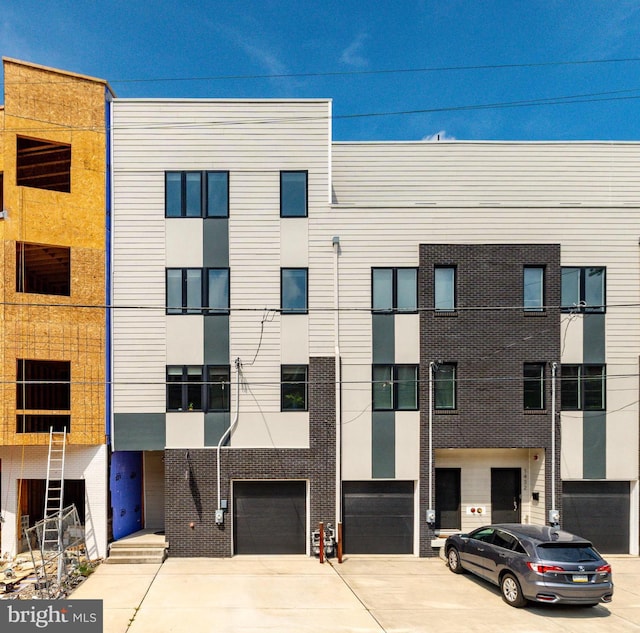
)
(354, 73)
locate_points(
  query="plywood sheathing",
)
(61, 107)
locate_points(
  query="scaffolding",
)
(54, 566)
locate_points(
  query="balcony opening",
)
(43, 269)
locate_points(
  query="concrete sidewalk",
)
(364, 594)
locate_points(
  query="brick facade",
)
(191, 483)
(490, 346)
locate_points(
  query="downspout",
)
(431, 513)
(225, 435)
(553, 513)
(338, 375)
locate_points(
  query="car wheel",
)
(453, 560)
(511, 591)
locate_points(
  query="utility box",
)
(554, 517)
(219, 517)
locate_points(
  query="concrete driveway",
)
(364, 594)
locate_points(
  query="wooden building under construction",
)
(54, 242)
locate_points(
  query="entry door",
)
(505, 495)
(448, 499)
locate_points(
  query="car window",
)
(563, 553)
(508, 541)
(484, 534)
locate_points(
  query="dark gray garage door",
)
(598, 511)
(378, 517)
(269, 517)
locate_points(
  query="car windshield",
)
(563, 553)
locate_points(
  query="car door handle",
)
(503, 555)
(481, 549)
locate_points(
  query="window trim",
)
(543, 273)
(205, 385)
(454, 270)
(580, 379)
(284, 310)
(204, 193)
(394, 290)
(204, 293)
(540, 381)
(305, 384)
(394, 385)
(453, 382)
(306, 192)
(583, 307)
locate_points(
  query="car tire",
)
(511, 591)
(453, 560)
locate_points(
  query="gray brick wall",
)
(191, 483)
(490, 337)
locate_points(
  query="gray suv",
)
(533, 562)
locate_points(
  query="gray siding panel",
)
(383, 444)
(215, 248)
(593, 342)
(383, 338)
(216, 340)
(139, 431)
(215, 424)
(595, 445)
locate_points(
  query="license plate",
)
(580, 578)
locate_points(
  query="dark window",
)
(293, 290)
(394, 289)
(533, 387)
(293, 194)
(444, 288)
(444, 386)
(294, 379)
(395, 387)
(43, 269)
(583, 289)
(42, 385)
(197, 388)
(533, 288)
(43, 164)
(583, 387)
(197, 291)
(194, 194)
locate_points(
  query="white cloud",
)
(353, 54)
(438, 136)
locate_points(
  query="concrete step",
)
(135, 560)
(121, 552)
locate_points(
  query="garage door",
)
(378, 517)
(269, 517)
(598, 511)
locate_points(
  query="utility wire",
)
(353, 73)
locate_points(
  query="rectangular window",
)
(583, 387)
(533, 388)
(394, 289)
(43, 164)
(294, 387)
(444, 386)
(43, 269)
(197, 388)
(196, 194)
(218, 388)
(444, 290)
(533, 288)
(395, 387)
(42, 385)
(293, 290)
(293, 194)
(197, 291)
(583, 289)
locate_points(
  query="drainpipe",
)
(335, 241)
(220, 512)
(431, 513)
(554, 515)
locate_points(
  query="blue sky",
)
(335, 48)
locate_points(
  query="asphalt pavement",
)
(297, 594)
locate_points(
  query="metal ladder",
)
(53, 497)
